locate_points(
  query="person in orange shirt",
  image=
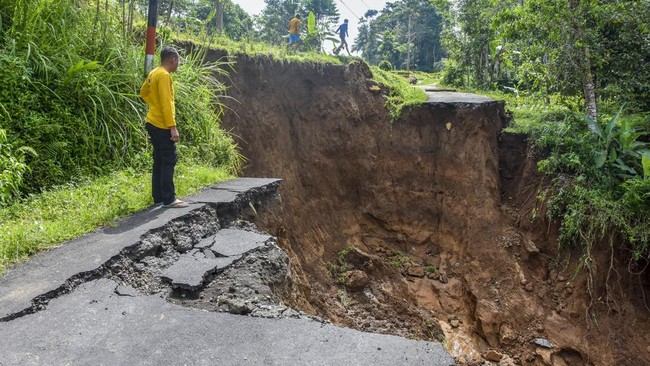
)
(158, 92)
(294, 32)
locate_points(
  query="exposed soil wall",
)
(421, 227)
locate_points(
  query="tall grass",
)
(273, 52)
(73, 150)
(70, 86)
(74, 97)
(43, 221)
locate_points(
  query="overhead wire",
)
(341, 1)
(364, 3)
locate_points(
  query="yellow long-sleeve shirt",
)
(294, 26)
(158, 92)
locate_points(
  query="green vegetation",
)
(404, 33)
(71, 118)
(399, 260)
(71, 96)
(72, 139)
(338, 269)
(400, 93)
(592, 50)
(431, 269)
(275, 17)
(427, 78)
(599, 175)
(344, 298)
(259, 49)
(42, 221)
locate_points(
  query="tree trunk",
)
(589, 87)
(97, 13)
(124, 18)
(219, 17)
(130, 21)
(169, 13)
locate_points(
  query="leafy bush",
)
(385, 65)
(598, 188)
(618, 145)
(454, 74)
(12, 169)
(199, 111)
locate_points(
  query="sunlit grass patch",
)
(44, 221)
(401, 93)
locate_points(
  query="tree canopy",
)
(593, 49)
(404, 33)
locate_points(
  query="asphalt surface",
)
(59, 308)
(452, 97)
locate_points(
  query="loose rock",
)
(356, 280)
(543, 342)
(493, 356)
(416, 271)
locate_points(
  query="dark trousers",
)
(164, 162)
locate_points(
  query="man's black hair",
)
(167, 53)
(297, 16)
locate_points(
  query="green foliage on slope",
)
(74, 154)
(70, 83)
(598, 174)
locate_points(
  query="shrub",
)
(12, 169)
(385, 65)
(454, 74)
(598, 189)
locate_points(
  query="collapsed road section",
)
(201, 285)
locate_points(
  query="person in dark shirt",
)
(342, 31)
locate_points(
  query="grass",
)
(44, 221)
(426, 78)
(259, 49)
(401, 94)
(399, 260)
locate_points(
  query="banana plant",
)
(317, 34)
(620, 147)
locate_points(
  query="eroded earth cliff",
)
(422, 227)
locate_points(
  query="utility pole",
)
(151, 36)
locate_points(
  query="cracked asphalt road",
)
(60, 308)
(96, 325)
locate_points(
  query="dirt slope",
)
(421, 227)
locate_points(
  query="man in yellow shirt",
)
(158, 92)
(294, 32)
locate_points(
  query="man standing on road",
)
(294, 32)
(158, 92)
(343, 32)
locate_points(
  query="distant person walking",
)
(342, 31)
(294, 32)
(158, 92)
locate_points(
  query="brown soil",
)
(420, 230)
